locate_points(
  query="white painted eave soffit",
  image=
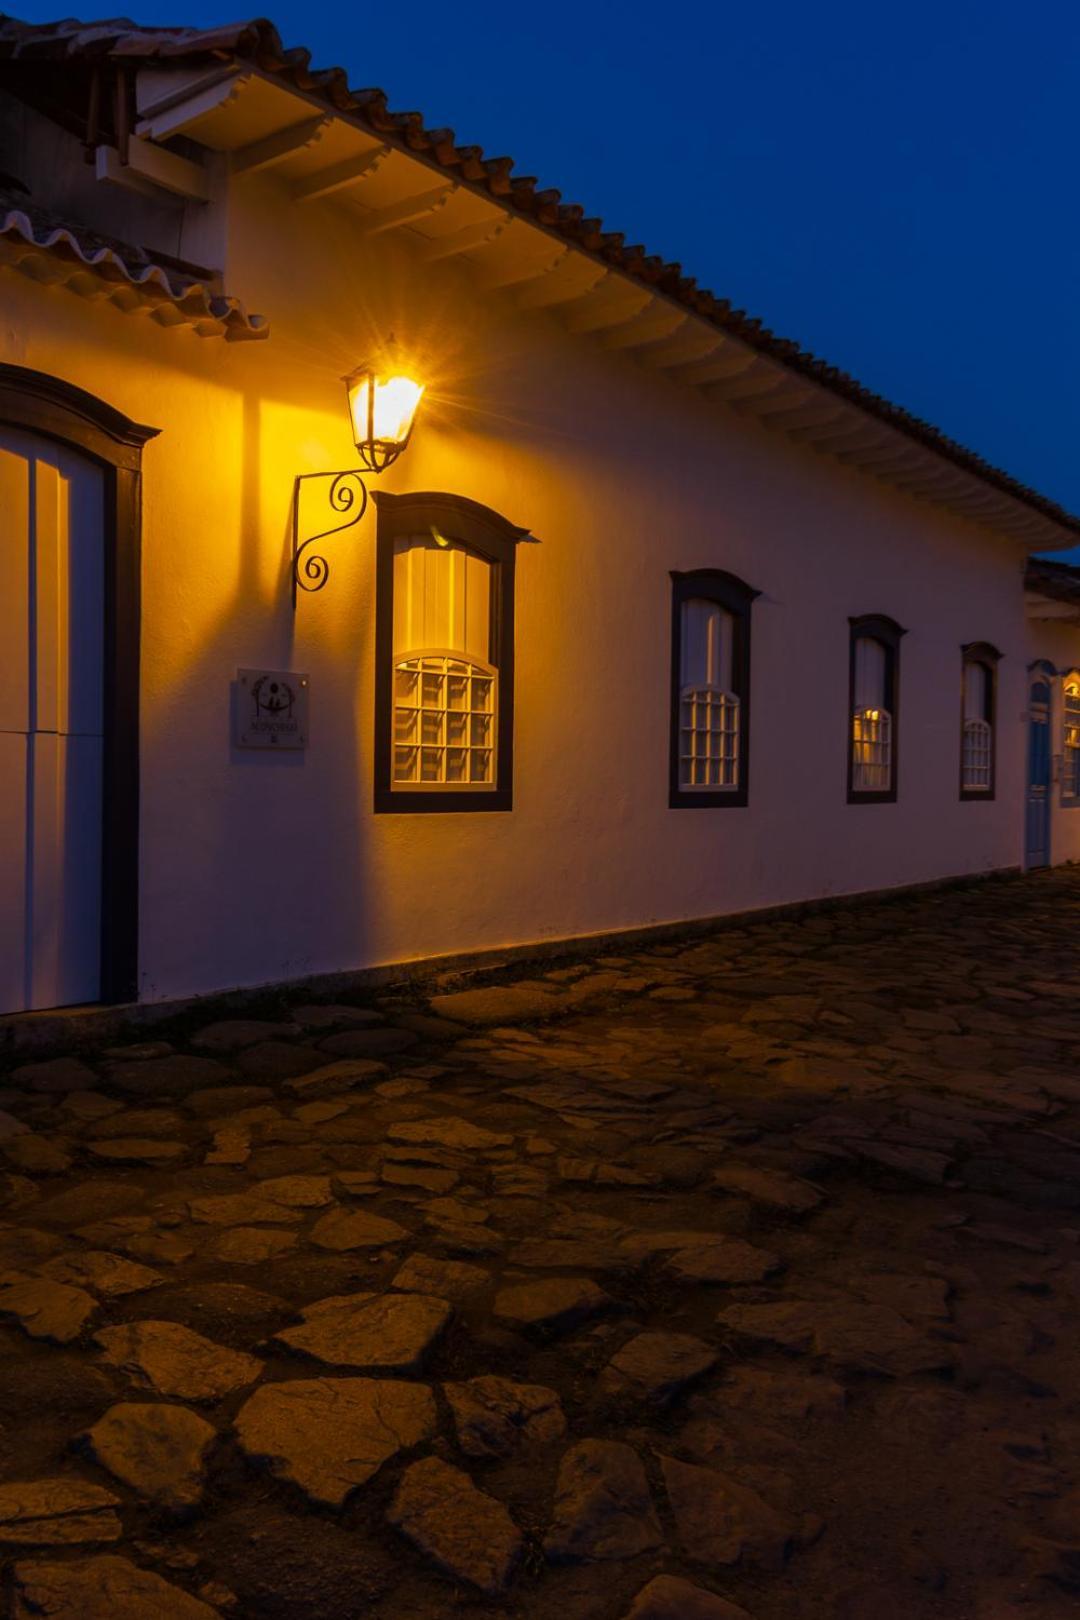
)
(264, 126)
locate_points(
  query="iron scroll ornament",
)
(347, 495)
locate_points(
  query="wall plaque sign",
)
(270, 709)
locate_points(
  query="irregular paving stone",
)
(139, 1051)
(771, 1187)
(326, 1016)
(345, 1229)
(498, 1004)
(603, 1507)
(179, 1074)
(236, 1209)
(333, 1078)
(24, 1246)
(449, 1133)
(296, 1192)
(774, 1395)
(670, 1598)
(328, 1435)
(657, 1366)
(159, 1450)
(277, 1060)
(105, 1588)
(57, 1512)
(55, 1075)
(377, 1332)
(417, 1175)
(172, 1360)
(725, 1260)
(109, 1275)
(720, 1521)
(139, 1236)
(221, 1100)
(871, 1338)
(36, 1155)
(251, 1245)
(494, 1417)
(47, 1310)
(232, 1034)
(232, 1145)
(570, 1254)
(136, 1150)
(138, 1122)
(554, 1304)
(465, 1532)
(369, 1043)
(449, 1279)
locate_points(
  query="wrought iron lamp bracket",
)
(346, 495)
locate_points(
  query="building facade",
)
(654, 618)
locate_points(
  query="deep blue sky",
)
(895, 186)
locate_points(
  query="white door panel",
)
(13, 809)
(51, 722)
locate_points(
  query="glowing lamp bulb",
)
(382, 411)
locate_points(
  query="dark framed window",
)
(444, 654)
(1070, 738)
(710, 690)
(873, 709)
(978, 720)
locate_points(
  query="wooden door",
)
(51, 722)
(1037, 822)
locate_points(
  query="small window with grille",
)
(444, 654)
(1070, 742)
(872, 733)
(710, 689)
(977, 737)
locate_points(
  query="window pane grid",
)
(444, 722)
(1070, 764)
(978, 755)
(708, 739)
(871, 758)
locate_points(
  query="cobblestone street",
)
(737, 1277)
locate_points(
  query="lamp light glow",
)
(382, 411)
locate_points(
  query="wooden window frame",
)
(989, 656)
(876, 627)
(39, 403)
(1067, 801)
(735, 597)
(496, 540)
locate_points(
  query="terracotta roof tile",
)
(175, 295)
(257, 41)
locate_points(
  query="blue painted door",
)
(1037, 823)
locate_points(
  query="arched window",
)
(874, 695)
(978, 720)
(1070, 737)
(710, 689)
(444, 653)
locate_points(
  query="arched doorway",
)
(69, 672)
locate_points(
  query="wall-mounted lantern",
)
(382, 409)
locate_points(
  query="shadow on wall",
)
(248, 855)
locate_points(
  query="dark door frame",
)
(38, 403)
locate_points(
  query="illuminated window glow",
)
(871, 722)
(708, 708)
(1070, 764)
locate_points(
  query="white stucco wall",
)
(257, 868)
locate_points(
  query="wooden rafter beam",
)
(654, 323)
(284, 143)
(568, 278)
(467, 240)
(339, 176)
(418, 206)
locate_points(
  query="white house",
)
(654, 617)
